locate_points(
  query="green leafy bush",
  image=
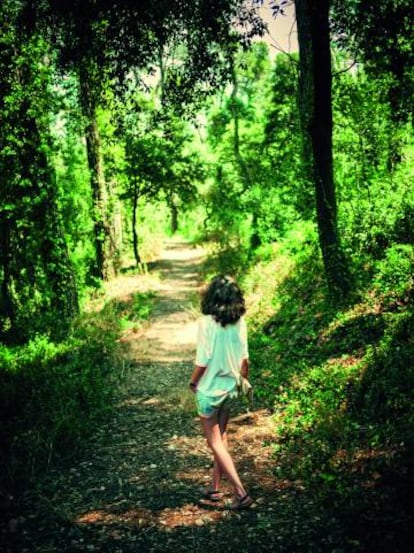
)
(53, 394)
(132, 314)
(394, 273)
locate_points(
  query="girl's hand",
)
(244, 369)
(193, 386)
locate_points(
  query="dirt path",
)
(135, 488)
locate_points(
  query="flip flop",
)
(241, 503)
(212, 495)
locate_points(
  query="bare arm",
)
(196, 375)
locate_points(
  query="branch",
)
(278, 9)
(346, 69)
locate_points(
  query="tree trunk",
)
(134, 225)
(7, 313)
(174, 217)
(102, 268)
(243, 168)
(315, 86)
(255, 241)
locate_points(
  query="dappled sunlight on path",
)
(135, 488)
(171, 336)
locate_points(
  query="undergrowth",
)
(53, 395)
(339, 382)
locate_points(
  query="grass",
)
(134, 313)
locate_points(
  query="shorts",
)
(207, 406)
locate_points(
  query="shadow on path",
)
(135, 487)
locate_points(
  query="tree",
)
(315, 85)
(83, 32)
(387, 55)
(157, 164)
(235, 135)
(315, 105)
(38, 288)
(356, 27)
(103, 40)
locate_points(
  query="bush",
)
(53, 394)
(394, 273)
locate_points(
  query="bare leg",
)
(212, 431)
(223, 418)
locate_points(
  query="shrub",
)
(394, 273)
(53, 394)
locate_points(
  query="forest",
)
(127, 124)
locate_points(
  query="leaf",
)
(328, 477)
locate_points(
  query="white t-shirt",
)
(221, 350)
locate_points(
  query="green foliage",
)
(38, 290)
(73, 181)
(161, 164)
(253, 133)
(54, 393)
(157, 162)
(339, 380)
(383, 395)
(132, 315)
(62, 223)
(228, 260)
(392, 273)
(356, 25)
(375, 194)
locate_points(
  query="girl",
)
(222, 356)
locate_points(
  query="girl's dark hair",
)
(223, 300)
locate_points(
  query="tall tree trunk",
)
(135, 199)
(315, 86)
(243, 168)
(102, 237)
(7, 311)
